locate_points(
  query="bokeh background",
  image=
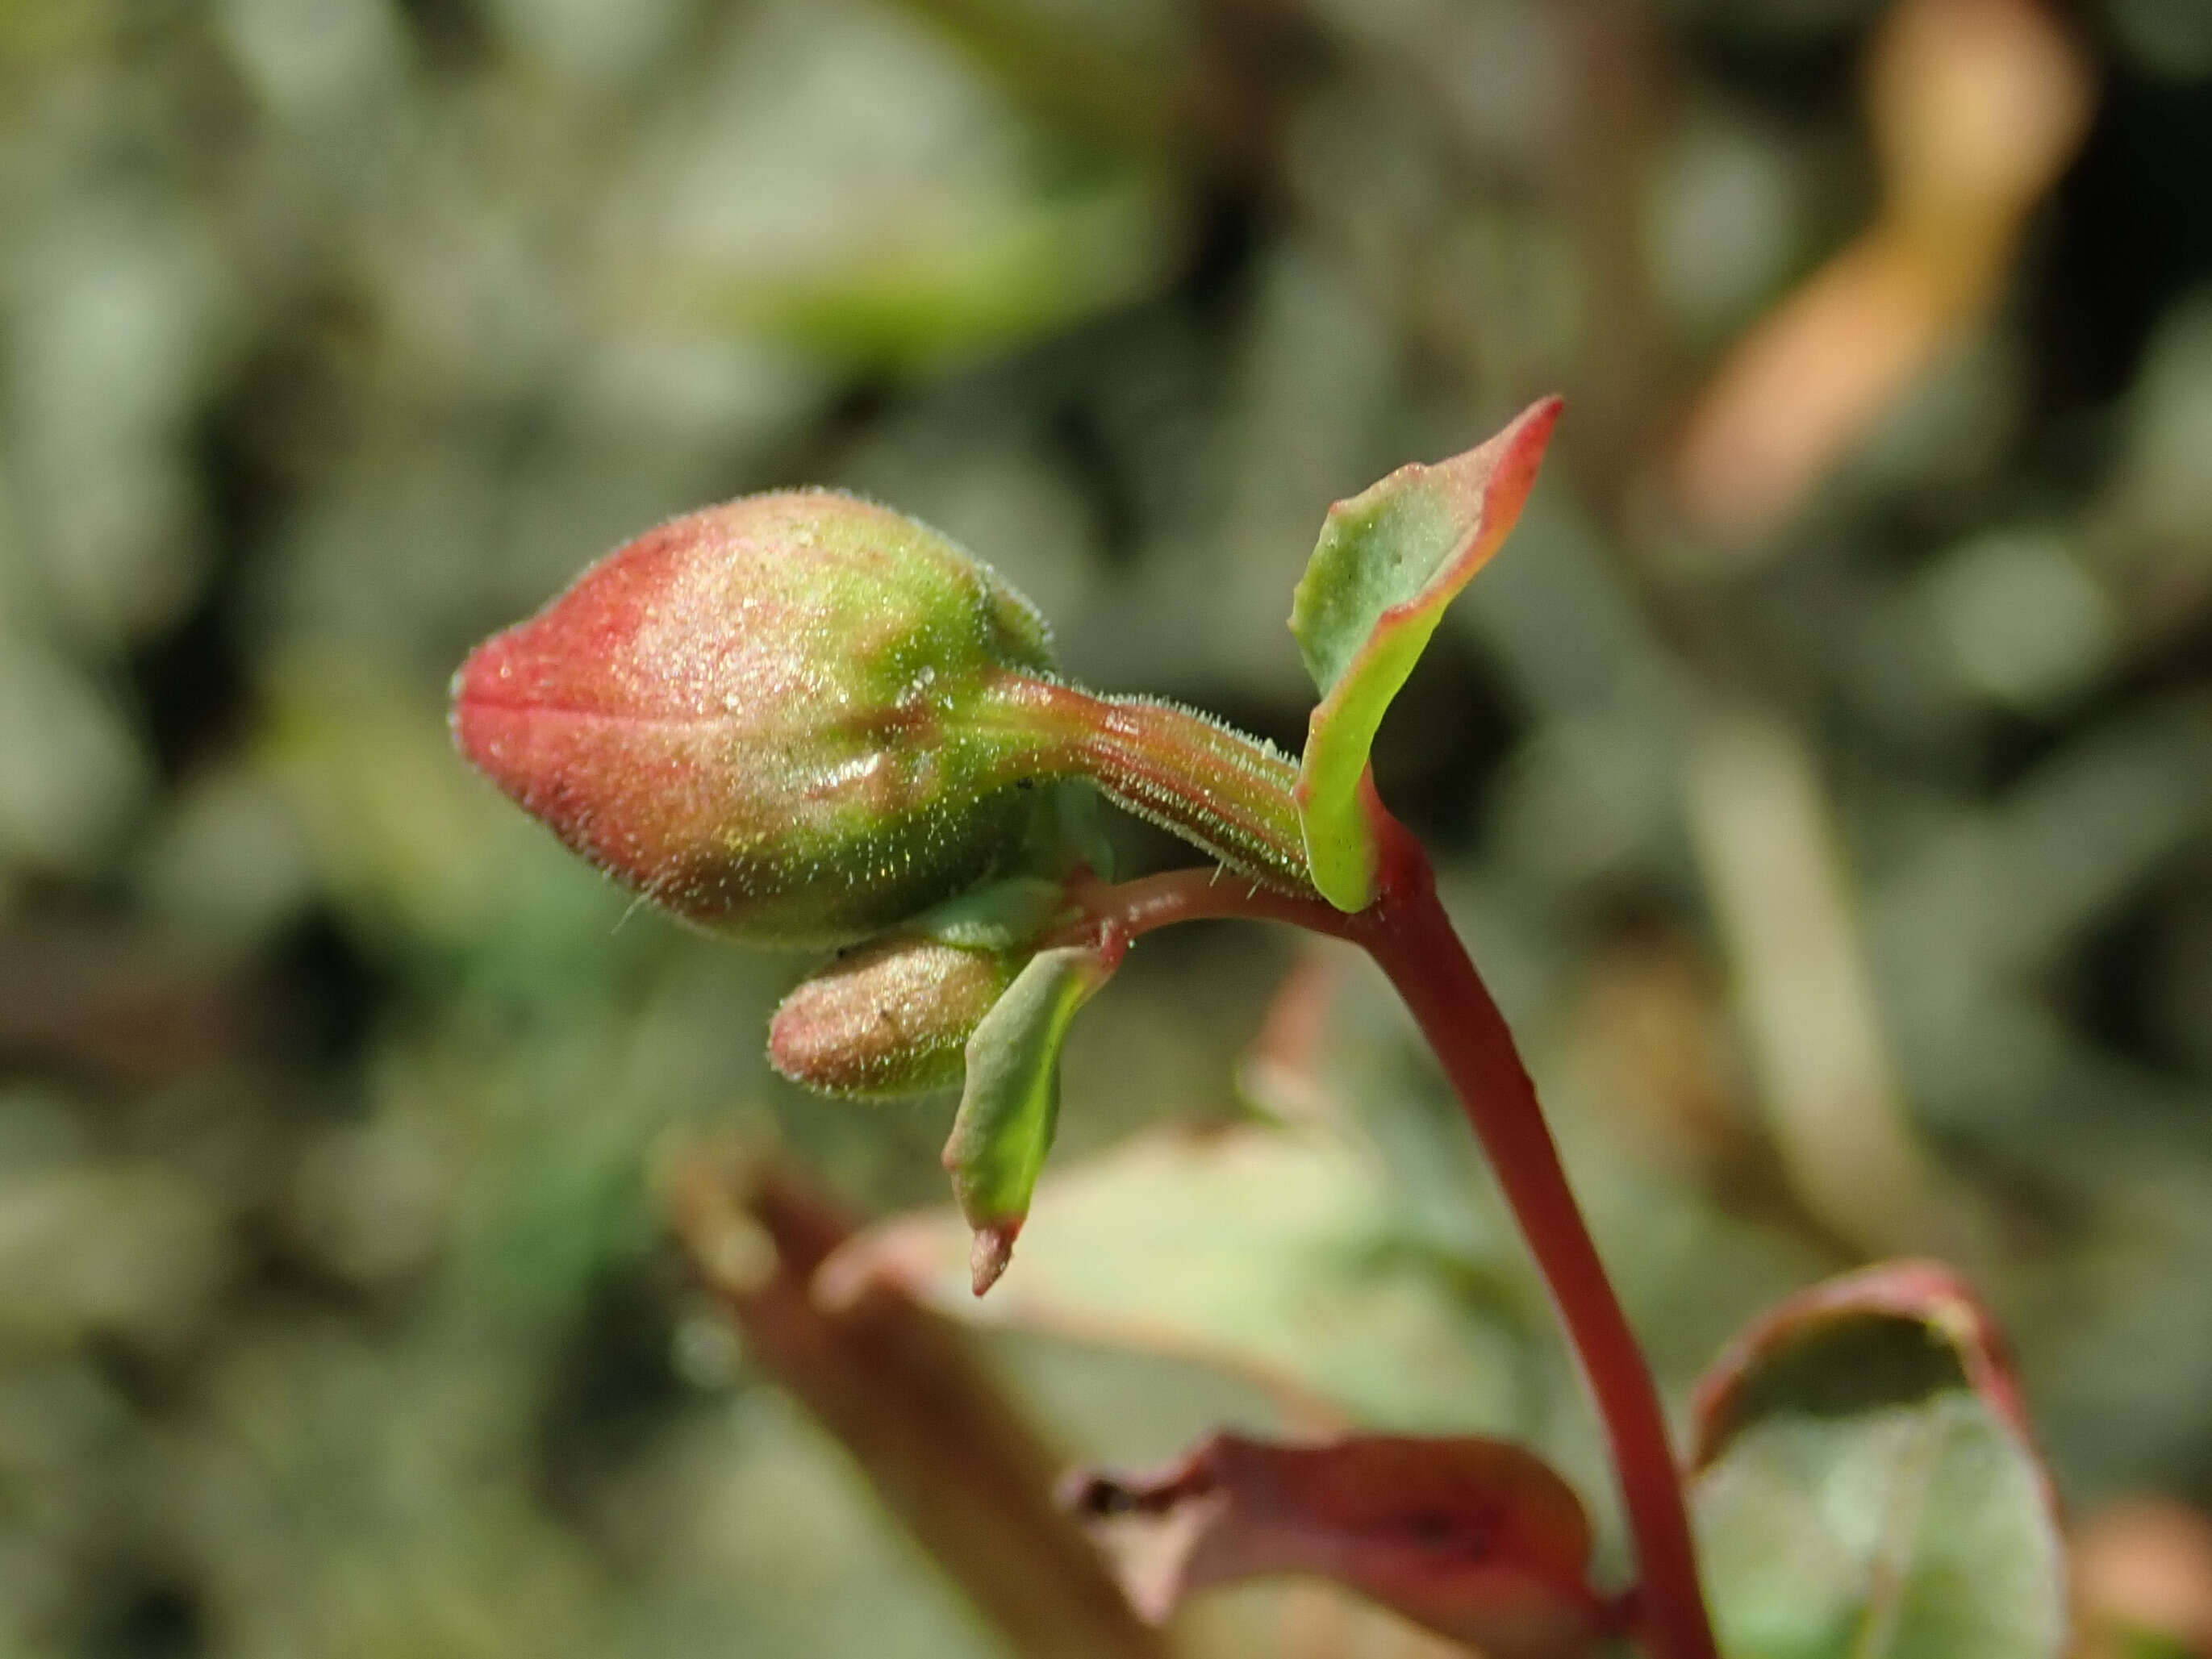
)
(1823, 776)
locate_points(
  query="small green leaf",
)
(1010, 1104)
(1388, 562)
(1865, 1487)
(1272, 1254)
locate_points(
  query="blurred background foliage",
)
(1823, 774)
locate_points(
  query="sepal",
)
(1009, 1105)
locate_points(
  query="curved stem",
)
(1412, 939)
(1409, 936)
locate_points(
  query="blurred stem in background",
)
(1976, 105)
(935, 1432)
(1759, 817)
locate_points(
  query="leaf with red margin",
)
(1389, 560)
(1477, 1540)
(1867, 1483)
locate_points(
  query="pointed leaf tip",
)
(1010, 1103)
(1389, 560)
(991, 1254)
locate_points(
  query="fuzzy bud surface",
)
(892, 1017)
(771, 717)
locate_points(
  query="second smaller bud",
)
(890, 1018)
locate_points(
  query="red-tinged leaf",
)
(1867, 1485)
(1479, 1541)
(1389, 560)
(1927, 1294)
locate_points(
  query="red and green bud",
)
(777, 718)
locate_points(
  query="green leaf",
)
(1866, 1486)
(1269, 1253)
(1388, 562)
(1009, 1105)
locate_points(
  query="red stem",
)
(1413, 943)
(1151, 902)
(1411, 939)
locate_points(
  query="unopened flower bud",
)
(774, 717)
(891, 1017)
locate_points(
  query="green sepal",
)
(1073, 838)
(1009, 1105)
(999, 915)
(1007, 913)
(1389, 560)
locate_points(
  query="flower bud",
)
(772, 717)
(892, 1017)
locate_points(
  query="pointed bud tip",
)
(993, 1250)
(476, 717)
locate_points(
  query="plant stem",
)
(1411, 940)
(1151, 902)
(1208, 783)
(1232, 795)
